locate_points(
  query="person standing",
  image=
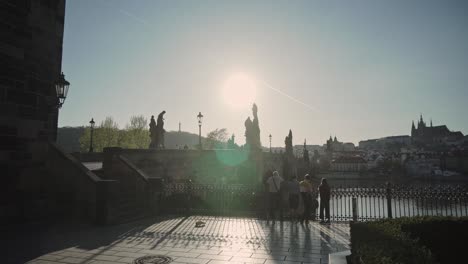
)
(324, 191)
(293, 190)
(274, 195)
(306, 194)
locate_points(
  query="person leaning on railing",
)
(306, 194)
(324, 191)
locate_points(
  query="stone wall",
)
(30, 63)
(76, 191)
(206, 166)
(89, 157)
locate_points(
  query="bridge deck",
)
(220, 240)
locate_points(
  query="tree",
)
(216, 138)
(85, 139)
(231, 144)
(139, 122)
(105, 135)
(136, 134)
(108, 134)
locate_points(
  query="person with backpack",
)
(274, 195)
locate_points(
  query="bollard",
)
(355, 213)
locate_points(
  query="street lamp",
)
(61, 88)
(91, 125)
(200, 119)
(270, 142)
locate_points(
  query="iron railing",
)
(212, 199)
(346, 204)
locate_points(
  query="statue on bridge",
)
(252, 130)
(157, 132)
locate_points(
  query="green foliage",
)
(383, 242)
(136, 134)
(216, 139)
(440, 235)
(407, 240)
(107, 134)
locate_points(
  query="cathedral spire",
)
(421, 122)
(431, 122)
(413, 129)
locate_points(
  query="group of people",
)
(295, 191)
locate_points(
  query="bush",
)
(444, 236)
(409, 240)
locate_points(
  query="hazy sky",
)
(364, 69)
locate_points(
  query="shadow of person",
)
(325, 239)
(275, 240)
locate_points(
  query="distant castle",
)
(423, 134)
(335, 145)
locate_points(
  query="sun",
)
(239, 91)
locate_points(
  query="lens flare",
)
(239, 91)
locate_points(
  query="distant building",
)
(369, 144)
(349, 164)
(335, 145)
(421, 163)
(433, 135)
(373, 159)
(299, 149)
(391, 143)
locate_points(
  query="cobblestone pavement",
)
(220, 240)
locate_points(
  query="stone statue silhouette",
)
(153, 133)
(252, 130)
(248, 129)
(288, 144)
(157, 131)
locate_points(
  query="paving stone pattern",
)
(221, 240)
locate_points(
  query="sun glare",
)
(239, 90)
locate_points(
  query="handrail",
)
(75, 162)
(346, 203)
(132, 166)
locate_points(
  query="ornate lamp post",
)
(61, 91)
(61, 88)
(200, 119)
(270, 142)
(91, 125)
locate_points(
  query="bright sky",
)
(354, 69)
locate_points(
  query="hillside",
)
(68, 138)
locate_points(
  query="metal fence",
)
(212, 199)
(347, 203)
